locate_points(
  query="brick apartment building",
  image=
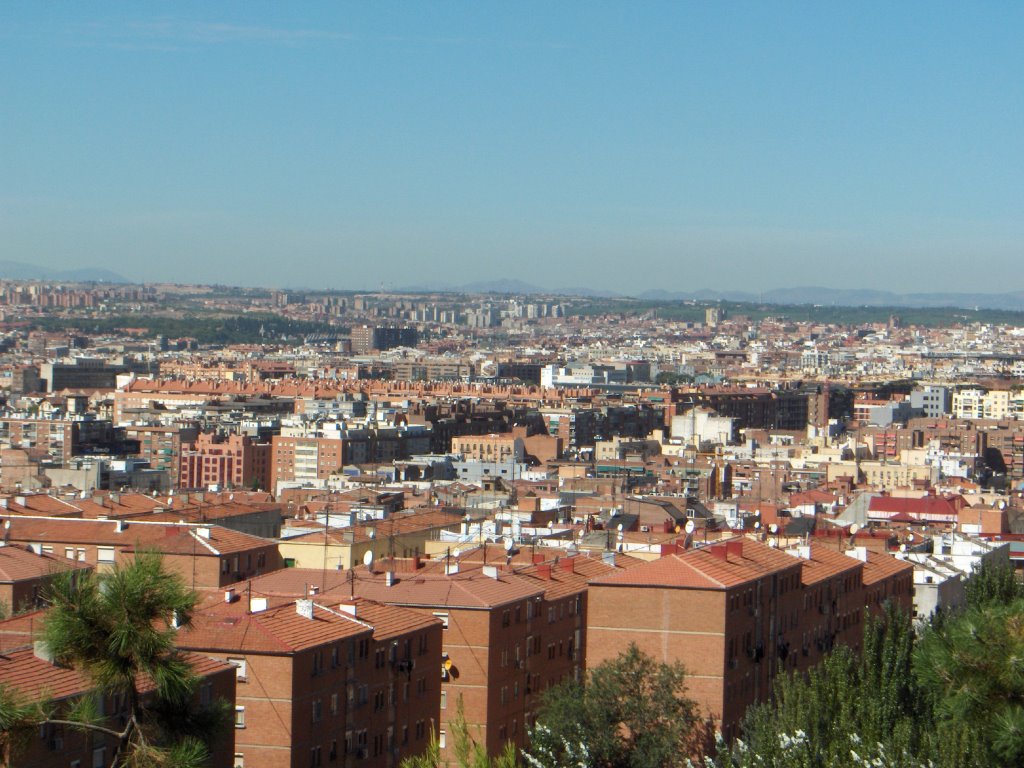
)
(737, 613)
(204, 555)
(161, 446)
(24, 575)
(491, 620)
(322, 682)
(225, 461)
(493, 447)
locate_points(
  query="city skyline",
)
(679, 147)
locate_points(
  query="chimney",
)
(204, 531)
(3, 503)
(544, 571)
(451, 568)
(721, 551)
(119, 526)
(20, 500)
(735, 547)
(229, 595)
(257, 604)
(42, 651)
(416, 565)
(389, 578)
(313, 590)
(568, 564)
(491, 571)
(349, 608)
(304, 608)
(608, 558)
(538, 557)
(669, 549)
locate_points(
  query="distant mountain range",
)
(19, 270)
(815, 295)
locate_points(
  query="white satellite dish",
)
(508, 544)
(903, 547)
(757, 525)
(773, 527)
(773, 543)
(619, 528)
(853, 529)
(910, 537)
(757, 513)
(456, 552)
(368, 558)
(690, 526)
(372, 533)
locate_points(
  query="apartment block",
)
(347, 683)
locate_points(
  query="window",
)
(317, 710)
(314, 757)
(444, 699)
(105, 554)
(99, 757)
(334, 703)
(240, 669)
(442, 739)
(239, 760)
(69, 553)
(205, 694)
(239, 717)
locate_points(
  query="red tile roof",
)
(703, 569)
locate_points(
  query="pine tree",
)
(119, 629)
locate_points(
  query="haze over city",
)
(621, 147)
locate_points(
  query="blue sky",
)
(620, 146)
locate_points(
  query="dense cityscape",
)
(511, 385)
(389, 503)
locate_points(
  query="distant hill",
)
(19, 270)
(849, 297)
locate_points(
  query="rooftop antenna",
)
(508, 544)
(690, 527)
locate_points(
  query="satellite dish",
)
(903, 547)
(757, 525)
(456, 552)
(773, 527)
(372, 533)
(910, 537)
(619, 528)
(689, 527)
(508, 544)
(757, 513)
(368, 558)
(853, 529)
(447, 665)
(1002, 505)
(773, 543)
(678, 529)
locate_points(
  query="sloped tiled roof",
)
(701, 569)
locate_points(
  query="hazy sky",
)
(624, 145)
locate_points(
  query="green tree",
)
(632, 712)
(993, 583)
(467, 751)
(972, 670)
(119, 628)
(853, 709)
